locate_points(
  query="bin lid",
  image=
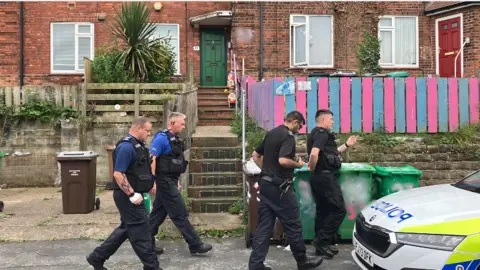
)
(346, 167)
(2, 154)
(76, 155)
(301, 170)
(401, 170)
(357, 167)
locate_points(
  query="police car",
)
(435, 227)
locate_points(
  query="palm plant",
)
(142, 54)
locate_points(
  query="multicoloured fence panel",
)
(393, 105)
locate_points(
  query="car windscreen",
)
(470, 183)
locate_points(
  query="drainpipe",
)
(21, 45)
(260, 72)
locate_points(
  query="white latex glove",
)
(137, 198)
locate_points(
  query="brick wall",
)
(440, 164)
(39, 15)
(35, 147)
(350, 21)
(32, 150)
(9, 43)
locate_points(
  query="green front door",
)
(213, 67)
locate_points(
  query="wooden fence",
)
(113, 102)
(366, 104)
(95, 98)
(66, 95)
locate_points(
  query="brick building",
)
(409, 33)
(419, 37)
(57, 35)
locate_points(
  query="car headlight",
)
(434, 241)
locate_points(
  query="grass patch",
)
(214, 233)
(253, 133)
(48, 220)
(2, 240)
(99, 190)
(238, 209)
(187, 201)
(6, 215)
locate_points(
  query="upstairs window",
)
(311, 41)
(70, 43)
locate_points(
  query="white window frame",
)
(307, 22)
(177, 72)
(91, 35)
(392, 29)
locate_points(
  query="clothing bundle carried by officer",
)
(132, 177)
(167, 166)
(277, 197)
(324, 163)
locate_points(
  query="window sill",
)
(67, 73)
(399, 67)
(310, 67)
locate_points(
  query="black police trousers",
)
(134, 227)
(287, 210)
(330, 206)
(169, 201)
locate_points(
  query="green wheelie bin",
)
(1, 202)
(356, 182)
(2, 154)
(389, 180)
(306, 202)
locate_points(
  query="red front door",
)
(449, 47)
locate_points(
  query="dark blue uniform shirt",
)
(125, 156)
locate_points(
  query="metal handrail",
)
(456, 57)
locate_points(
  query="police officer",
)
(168, 164)
(324, 163)
(277, 197)
(132, 175)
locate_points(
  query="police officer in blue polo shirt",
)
(132, 177)
(168, 163)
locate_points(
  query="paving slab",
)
(37, 214)
(213, 131)
(229, 253)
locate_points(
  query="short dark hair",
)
(322, 112)
(140, 121)
(295, 115)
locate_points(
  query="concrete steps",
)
(214, 191)
(212, 205)
(213, 106)
(215, 179)
(216, 152)
(215, 170)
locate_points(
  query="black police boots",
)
(158, 250)
(308, 262)
(96, 264)
(201, 249)
(323, 250)
(334, 249)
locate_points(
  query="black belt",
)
(284, 186)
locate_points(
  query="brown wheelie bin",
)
(252, 203)
(79, 181)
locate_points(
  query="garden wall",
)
(439, 163)
(32, 150)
